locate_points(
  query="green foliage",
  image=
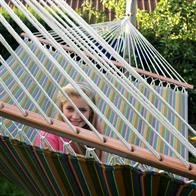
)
(171, 29)
(117, 5)
(174, 18)
(8, 37)
(89, 13)
(7, 188)
(6, 34)
(192, 159)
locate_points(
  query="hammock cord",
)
(26, 91)
(128, 145)
(3, 41)
(121, 95)
(92, 32)
(123, 138)
(152, 54)
(128, 6)
(31, 53)
(71, 81)
(157, 54)
(139, 114)
(116, 110)
(118, 28)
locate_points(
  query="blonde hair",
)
(72, 92)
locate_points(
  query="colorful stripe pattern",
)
(177, 99)
(41, 172)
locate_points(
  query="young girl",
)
(73, 116)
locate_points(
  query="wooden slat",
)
(140, 71)
(89, 138)
(162, 78)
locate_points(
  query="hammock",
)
(138, 52)
(54, 173)
(113, 90)
(173, 97)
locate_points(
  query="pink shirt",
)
(54, 141)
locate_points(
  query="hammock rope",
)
(88, 100)
(26, 91)
(26, 69)
(185, 162)
(80, 39)
(109, 102)
(128, 7)
(142, 46)
(48, 7)
(143, 73)
(79, 20)
(130, 69)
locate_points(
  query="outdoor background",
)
(168, 24)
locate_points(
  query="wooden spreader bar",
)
(89, 138)
(140, 71)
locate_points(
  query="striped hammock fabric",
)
(42, 172)
(176, 98)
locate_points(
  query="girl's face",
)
(72, 114)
